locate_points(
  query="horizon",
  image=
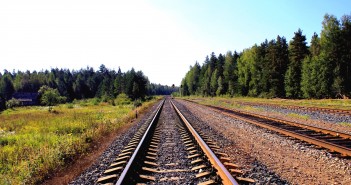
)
(161, 39)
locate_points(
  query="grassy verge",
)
(34, 142)
(294, 115)
(326, 103)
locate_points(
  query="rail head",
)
(331, 146)
(123, 177)
(315, 128)
(227, 178)
(328, 145)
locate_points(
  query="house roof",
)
(25, 96)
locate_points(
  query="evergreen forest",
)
(276, 68)
(104, 84)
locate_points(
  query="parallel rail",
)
(133, 169)
(127, 173)
(329, 139)
(342, 112)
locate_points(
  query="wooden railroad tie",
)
(113, 170)
(107, 179)
(147, 177)
(151, 163)
(203, 174)
(207, 182)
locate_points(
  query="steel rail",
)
(301, 125)
(331, 146)
(129, 167)
(305, 126)
(226, 177)
(306, 108)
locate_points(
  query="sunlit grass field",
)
(34, 142)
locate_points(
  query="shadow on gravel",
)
(263, 175)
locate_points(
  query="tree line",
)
(277, 69)
(86, 83)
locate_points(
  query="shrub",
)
(70, 105)
(96, 101)
(50, 97)
(13, 103)
(105, 98)
(122, 99)
(137, 103)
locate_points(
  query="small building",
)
(26, 98)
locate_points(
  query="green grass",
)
(294, 115)
(34, 142)
(345, 124)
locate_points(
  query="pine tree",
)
(248, 76)
(346, 53)
(184, 88)
(206, 78)
(263, 68)
(315, 48)
(331, 60)
(214, 83)
(230, 73)
(220, 65)
(118, 83)
(297, 52)
(220, 89)
(6, 86)
(192, 78)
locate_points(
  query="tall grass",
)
(34, 142)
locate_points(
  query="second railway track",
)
(332, 140)
(169, 150)
(334, 111)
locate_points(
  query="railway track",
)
(339, 112)
(168, 150)
(333, 141)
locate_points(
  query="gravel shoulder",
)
(283, 160)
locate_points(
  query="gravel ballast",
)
(315, 115)
(268, 157)
(172, 155)
(340, 123)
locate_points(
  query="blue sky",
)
(162, 38)
(230, 25)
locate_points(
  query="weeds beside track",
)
(34, 142)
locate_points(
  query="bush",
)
(105, 98)
(112, 102)
(70, 105)
(122, 99)
(175, 94)
(50, 97)
(13, 103)
(96, 101)
(137, 103)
